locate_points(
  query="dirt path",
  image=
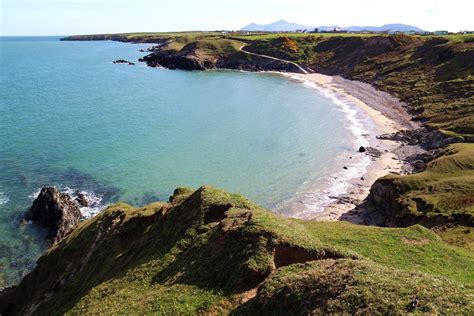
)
(274, 58)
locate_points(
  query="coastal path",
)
(275, 58)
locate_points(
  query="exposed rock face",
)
(388, 208)
(425, 137)
(56, 211)
(187, 59)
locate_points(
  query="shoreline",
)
(373, 111)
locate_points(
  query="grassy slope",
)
(446, 186)
(207, 252)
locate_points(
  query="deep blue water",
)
(70, 117)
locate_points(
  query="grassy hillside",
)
(441, 194)
(212, 252)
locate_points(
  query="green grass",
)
(459, 38)
(445, 187)
(412, 249)
(206, 249)
(340, 287)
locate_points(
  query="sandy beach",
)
(381, 113)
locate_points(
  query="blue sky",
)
(64, 17)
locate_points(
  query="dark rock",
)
(373, 152)
(387, 208)
(55, 211)
(419, 165)
(345, 200)
(123, 61)
(362, 149)
(344, 167)
(187, 59)
(425, 137)
(362, 178)
(82, 199)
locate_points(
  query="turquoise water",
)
(70, 117)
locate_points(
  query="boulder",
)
(56, 211)
(362, 149)
(123, 61)
(82, 199)
(419, 165)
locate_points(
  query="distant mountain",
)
(284, 26)
(278, 26)
(387, 27)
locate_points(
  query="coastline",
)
(372, 113)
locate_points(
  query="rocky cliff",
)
(56, 211)
(441, 194)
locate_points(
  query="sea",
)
(71, 118)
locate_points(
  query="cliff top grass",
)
(444, 189)
(211, 252)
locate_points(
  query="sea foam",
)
(3, 199)
(313, 196)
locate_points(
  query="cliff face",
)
(211, 252)
(441, 194)
(191, 58)
(56, 211)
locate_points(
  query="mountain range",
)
(286, 26)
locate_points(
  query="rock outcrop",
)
(123, 61)
(424, 137)
(389, 204)
(188, 59)
(82, 199)
(56, 211)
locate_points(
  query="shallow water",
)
(69, 117)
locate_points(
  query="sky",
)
(66, 17)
